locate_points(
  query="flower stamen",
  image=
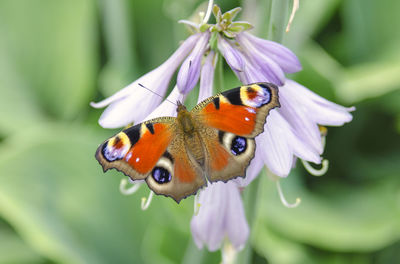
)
(146, 201)
(316, 172)
(283, 199)
(208, 13)
(294, 10)
(128, 190)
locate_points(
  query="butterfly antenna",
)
(141, 85)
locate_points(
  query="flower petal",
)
(299, 119)
(279, 143)
(207, 77)
(133, 103)
(268, 66)
(232, 56)
(208, 225)
(189, 72)
(221, 213)
(321, 110)
(167, 107)
(235, 218)
(284, 57)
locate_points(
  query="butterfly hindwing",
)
(184, 173)
(228, 155)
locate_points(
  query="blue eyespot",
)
(238, 146)
(161, 175)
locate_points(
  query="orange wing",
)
(241, 111)
(136, 150)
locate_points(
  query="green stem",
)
(219, 75)
(278, 19)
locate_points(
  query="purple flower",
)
(189, 72)
(133, 103)
(221, 216)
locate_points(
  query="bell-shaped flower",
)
(189, 73)
(221, 216)
(134, 102)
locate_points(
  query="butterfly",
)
(176, 156)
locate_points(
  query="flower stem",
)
(278, 19)
(219, 75)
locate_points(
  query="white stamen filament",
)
(316, 172)
(197, 205)
(146, 201)
(323, 140)
(208, 13)
(282, 197)
(128, 190)
(228, 253)
(189, 23)
(294, 10)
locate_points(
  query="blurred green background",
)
(57, 206)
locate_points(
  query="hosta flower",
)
(133, 103)
(221, 216)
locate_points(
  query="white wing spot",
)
(250, 110)
(128, 157)
(246, 118)
(137, 159)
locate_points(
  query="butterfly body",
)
(213, 141)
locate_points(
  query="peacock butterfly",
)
(213, 141)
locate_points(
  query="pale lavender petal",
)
(269, 67)
(251, 73)
(284, 57)
(134, 103)
(235, 218)
(131, 109)
(221, 214)
(276, 152)
(232, 56)
(207, 77)
(297, 116)
(319, 109)
(279, 143)
(207, 226)
(189, 72)
(168, 107)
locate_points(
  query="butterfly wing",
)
(155, 152)
(232, 120)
